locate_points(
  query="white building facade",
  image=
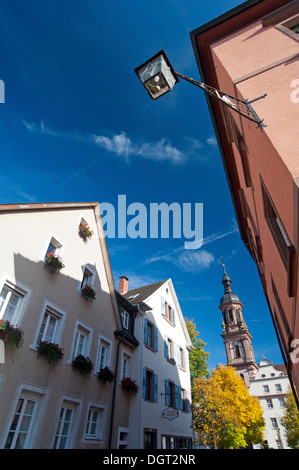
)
(44, 406)
(161, 416)
(271, 384)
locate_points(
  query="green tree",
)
(291, 421)
(198, 358)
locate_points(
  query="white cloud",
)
(191, 261)
(212, 141)
(121, 144)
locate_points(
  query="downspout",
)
(141, 378)
(114, 393)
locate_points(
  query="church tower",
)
(235, 334)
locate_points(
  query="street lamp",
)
(158, 77)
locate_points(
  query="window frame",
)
(56, 244)
(103, 342)
(21, 289)
(86, 333)
(40, 396)
(150, 334)
(126, 360)
(75, 405)
(125, 318)
(90, 277)
(149, 385)
(276, 227)
(98, 435)
(55, 311)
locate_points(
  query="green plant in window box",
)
(54, 262)
(11, 335)
(52, 351)
(83, 364)
(88, 292)
(85, 231)
(106, 375)
(128, 384)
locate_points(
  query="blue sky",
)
(77, 125)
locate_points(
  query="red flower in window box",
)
(128, 384)
(54, 262)
(88, 292)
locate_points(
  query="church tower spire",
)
(237, 339)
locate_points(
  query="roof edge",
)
(47, 205)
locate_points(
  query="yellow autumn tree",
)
(225, 415)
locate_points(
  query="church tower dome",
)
(237, 339)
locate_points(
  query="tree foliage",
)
(238, 420)
(291, 421)
(198, 358)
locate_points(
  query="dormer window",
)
(125, 318)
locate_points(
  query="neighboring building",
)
(266, 381)
(271, 385)
(56, 407)
(247, 52)
(237, 339)
(160, 416)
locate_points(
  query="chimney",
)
(123, 285)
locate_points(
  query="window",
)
(150, 385)
(278, 387)
(290, 27)
(170, 393)
(104, 354)
(54, 246)
(94, 423)
(64, 427)
(88, 278)
(180, 357)
(123, 437)
(126, 366)
(26, 416)
(295, 28)
(81, 341)
(167, 311)
(285, 19)
(50, 325)
(274, 423)
(281, 402)
(21, 424)
(14, 298)
(10, 301)
(266, 388)
(269, 403)
(124, 318)
(282, 241)
(150, 336)
(150, 439)
(169, 349)
(238, 349)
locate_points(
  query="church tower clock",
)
(235, 334)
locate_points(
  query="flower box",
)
(54, 262)
(88, 292)
(83, 364)
(128, 384)
(85, 231)
(11, 335)
(53, 352)
(106, 375)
